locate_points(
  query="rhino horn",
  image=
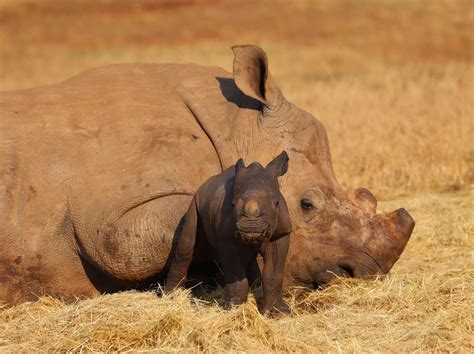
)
(364, 199)
(392, 232)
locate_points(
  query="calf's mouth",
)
(252, 229)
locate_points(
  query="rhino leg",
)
(183, 253)
(38, 262)
(235, 277)
(136, 248)
(253, 273)
(274, 257)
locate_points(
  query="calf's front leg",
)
(235, 279)
(183, 253)
(274, 258)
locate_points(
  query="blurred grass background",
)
(392, 81)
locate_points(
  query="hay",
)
(426, 304)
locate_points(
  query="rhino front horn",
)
(404, 223)
(395, 230)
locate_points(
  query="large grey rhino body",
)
(96, 173)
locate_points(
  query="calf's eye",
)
(307, 204)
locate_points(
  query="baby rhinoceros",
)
(240, 213)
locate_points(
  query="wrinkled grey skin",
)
(96, 173)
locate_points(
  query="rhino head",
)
(335, 232)
(256, 198)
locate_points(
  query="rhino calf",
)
(239, 213)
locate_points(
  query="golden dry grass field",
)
(393, 82)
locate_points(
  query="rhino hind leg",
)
(182, 254)
(47, 268)
(136, 248)
(36, 258)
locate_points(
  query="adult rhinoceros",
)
(96, 173)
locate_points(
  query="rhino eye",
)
(307, 204)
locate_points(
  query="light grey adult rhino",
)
(97, 171)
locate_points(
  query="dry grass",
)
(393, 82)
(426, 304)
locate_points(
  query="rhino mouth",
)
(252, 236)
(252, 229)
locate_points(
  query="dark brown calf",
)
(240, 213)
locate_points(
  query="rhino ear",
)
(239, 166)
(251, 73)
(279, 165)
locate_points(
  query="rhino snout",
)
(253, 228)
(251, 208)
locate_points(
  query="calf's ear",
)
(279, 165)
(239, 166)
(251, 73)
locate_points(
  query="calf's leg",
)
(183, 253)
(235, 279)
(274, 257)
(253, 273)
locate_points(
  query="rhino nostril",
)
(347, 270)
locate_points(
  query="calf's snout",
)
(251, 208)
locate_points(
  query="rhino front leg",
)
(274, 257)
(253, 273)
(235, 278)
(183, 253)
